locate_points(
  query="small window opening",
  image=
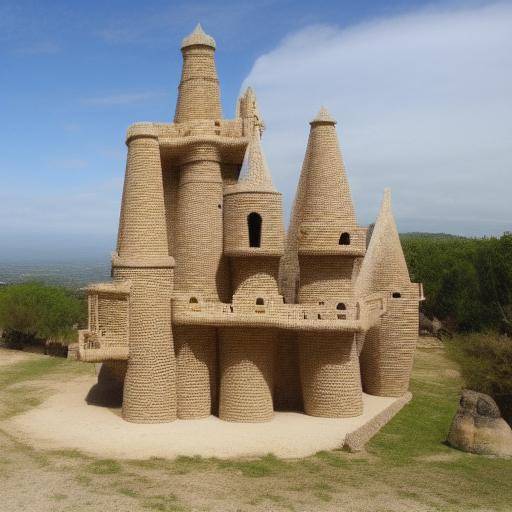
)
(321, 303)
(319, 316)
(193, 300)
(254, 227)
(219, 206)
(344, 239)
(217, 123)
(260, 302)
(231, 309)
(341, 306)
(396, 295)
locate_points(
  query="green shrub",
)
(467, 281)
(486, 364)
(33, 312)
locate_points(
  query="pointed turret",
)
(198, 92)
(254, 174)
(253, 215)
(387, 353)
(384, 267)
(327, 219)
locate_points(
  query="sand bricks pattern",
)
(247, 358)
(150, 384)
(198, 93)
(388, 351)
(325, 277)
(237, 207)
(142, 228)
(199, 235)
(196, 358)
(331, 382)
(254, 275)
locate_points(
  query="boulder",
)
(479, 428)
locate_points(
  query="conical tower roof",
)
(254, 174)
(198, 37)
(326, 198)
(384, 267)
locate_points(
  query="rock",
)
(479, 428)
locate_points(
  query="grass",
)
(407, 465)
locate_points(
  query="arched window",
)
(193, 300)
(260, 302)
(344, 239)
(396, 295)
(254, 227)
(341, 306)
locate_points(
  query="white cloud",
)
(424, 104)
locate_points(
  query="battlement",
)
(342, 317)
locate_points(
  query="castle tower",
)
(198, 92)
(387, 354)
(142, 257)
(329, 242)
(201, 268)
(253, 240)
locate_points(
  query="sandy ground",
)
(65, 420)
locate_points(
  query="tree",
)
(33, 311)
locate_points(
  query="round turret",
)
(253, 213)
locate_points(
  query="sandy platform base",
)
(66, 421)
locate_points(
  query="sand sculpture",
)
(212, 310)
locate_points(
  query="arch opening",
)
(254, 222)
(260, 302)
(344, 239)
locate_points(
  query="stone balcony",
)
(358, 317)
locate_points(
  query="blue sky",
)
(76, 74)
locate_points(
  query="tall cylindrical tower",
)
(253, 239)
(142, 257)
(329, 242)
(198, 92)
(201, 272)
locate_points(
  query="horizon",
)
(424, 85)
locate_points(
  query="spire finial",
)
(323, 117)
(198, 37)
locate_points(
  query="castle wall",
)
(325, 277)
(388, 350)
(331, 382)
(329, 364)
(196, 357)
(254, 275)
(247, 359)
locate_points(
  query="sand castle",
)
(212, 309)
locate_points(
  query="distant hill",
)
(435, 236)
